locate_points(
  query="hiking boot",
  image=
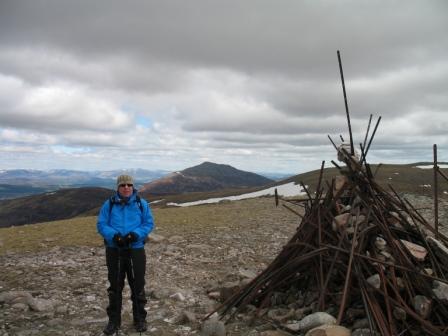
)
(140, 326)
(111, 328)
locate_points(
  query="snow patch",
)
(431, 166)
(288, 189)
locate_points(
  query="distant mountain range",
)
(71, 202)
(205, 177)
(22, 182)
(207, 180)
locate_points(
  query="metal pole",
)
(436, 192)
(352, 148)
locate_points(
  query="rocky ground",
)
(62, 290)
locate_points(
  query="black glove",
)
(131, 237)
(119, 240)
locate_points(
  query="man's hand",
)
(131, 237)
(119, 240)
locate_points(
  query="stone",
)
(216, 295)
(213, 327)
(15, 297)
(340, 222)
(280, 314)
(246, 273)
(178, 296)
(440, 290)
(364, 332)
(422, 305)
(175, 239)
(374, 281)
(361, 323)
(339, 182)
(273, 333)
(399, 313)
(380, 243)
(329, 330)
(417, 251)
(439, 249)
(155, 238)
(311, 321)
(189, 317)
(228, 289)
(41, 305)
(20, 306)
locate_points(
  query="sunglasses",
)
(126, 185)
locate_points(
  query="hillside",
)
(61, 204)
(405, 178)
(205, 177)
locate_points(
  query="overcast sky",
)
(254, 84)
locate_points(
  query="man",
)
(124, 221)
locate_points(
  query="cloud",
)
(255, 84)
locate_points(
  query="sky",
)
(108, 84)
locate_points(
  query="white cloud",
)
(252, 84)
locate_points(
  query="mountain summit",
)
(207, 176)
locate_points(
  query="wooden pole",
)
(436, 192)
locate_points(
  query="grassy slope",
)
(169, 221)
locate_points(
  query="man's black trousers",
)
(130, 263)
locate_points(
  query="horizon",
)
(327, 165)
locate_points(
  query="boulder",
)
(329, 330)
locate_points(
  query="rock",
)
(440, 249)
(374, 281)
(312, 321)
(62, 309)
(20, 306)
(329, 330)
(280, 314)
(189, 317)
(380, 243)
(422, 305)
(41, 305)
(178, 296)
(339, 182)
(155, 238)
(340, 222)
(15, 297)
(175, 239)
(399, 313)
(417, 251)
(228, 289)
(214, 295)
(360, 324)
(213, 327)
(428, 271)
(273, 333)
(364, 332)
(440, 290)
(246, 274)
(359, 220)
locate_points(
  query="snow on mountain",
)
(286, 190)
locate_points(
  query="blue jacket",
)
(125, 218)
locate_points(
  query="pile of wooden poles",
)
(361, 247)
